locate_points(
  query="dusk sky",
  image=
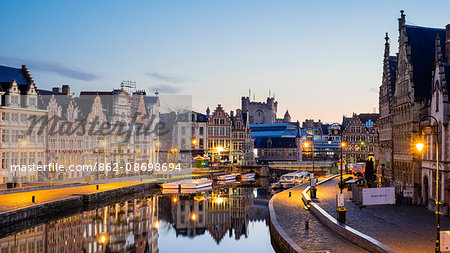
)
(322, 59)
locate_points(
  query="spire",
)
(386, 46)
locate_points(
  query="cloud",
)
(165, 89)
(53, 67)
(163, 77)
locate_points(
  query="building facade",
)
(219, 135)
(405, 95)
(361, 137)
(18, 106)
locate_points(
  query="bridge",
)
(302, 165)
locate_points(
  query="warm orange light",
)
(194, 141)
(343, 144)
(219, 200)
(156, 224)
(419, 146)
(306, 144)
(220, 149)
(193, 217)
(157, 143)
(175, 199)
(103, 239)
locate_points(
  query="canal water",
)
(225, 218)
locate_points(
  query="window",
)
(201, 131)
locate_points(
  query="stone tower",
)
(260, 112)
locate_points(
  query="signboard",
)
(340, 200)
(378, 196)
(408, 192)
(445, 241)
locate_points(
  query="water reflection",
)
(134, 225)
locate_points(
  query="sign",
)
(445, 241)
(408, 192)
(378, 196)
(340, 200)
(312, 180)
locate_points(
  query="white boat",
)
(248, 176)
(197, 183)
(188, 184)
(187, 191)
(294, 178)
(227, 177)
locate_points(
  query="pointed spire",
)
(386, 46)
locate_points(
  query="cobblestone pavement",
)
(291, 215)
(404, 228)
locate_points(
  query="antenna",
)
(129, 86)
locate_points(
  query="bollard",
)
(306, 225)
(97, 187)
(290, 194)
(33, 199)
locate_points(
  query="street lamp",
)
(341, 211)
(429, 130)
(313, 190)
(363, 144)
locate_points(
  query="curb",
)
(284, 242)
(362, 240)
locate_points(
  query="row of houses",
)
(415, 85)
(55, 129)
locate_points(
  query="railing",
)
(303, 163)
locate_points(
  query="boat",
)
(294, 178)
(248, 176)
(188, 184)
(227, 177)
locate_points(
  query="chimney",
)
(447, 43)
(56, 89)
(66, 89)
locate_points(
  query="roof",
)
(21, 75)
(151, 99)
(447, 75)
(365, 117)
(275, 142)
(255, 126)
(393, 71)
(7, 74)
(345, 122)
(282, 133)
(422, 42)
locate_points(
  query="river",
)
(225, 218)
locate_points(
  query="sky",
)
(321, 59)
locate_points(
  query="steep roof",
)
(7, 74)
(365, 117)
(393, 71)
(21, 75)
(422, 42)
(447, 75)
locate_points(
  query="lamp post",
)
(313, 189)
(341, 211)
(429, 130)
